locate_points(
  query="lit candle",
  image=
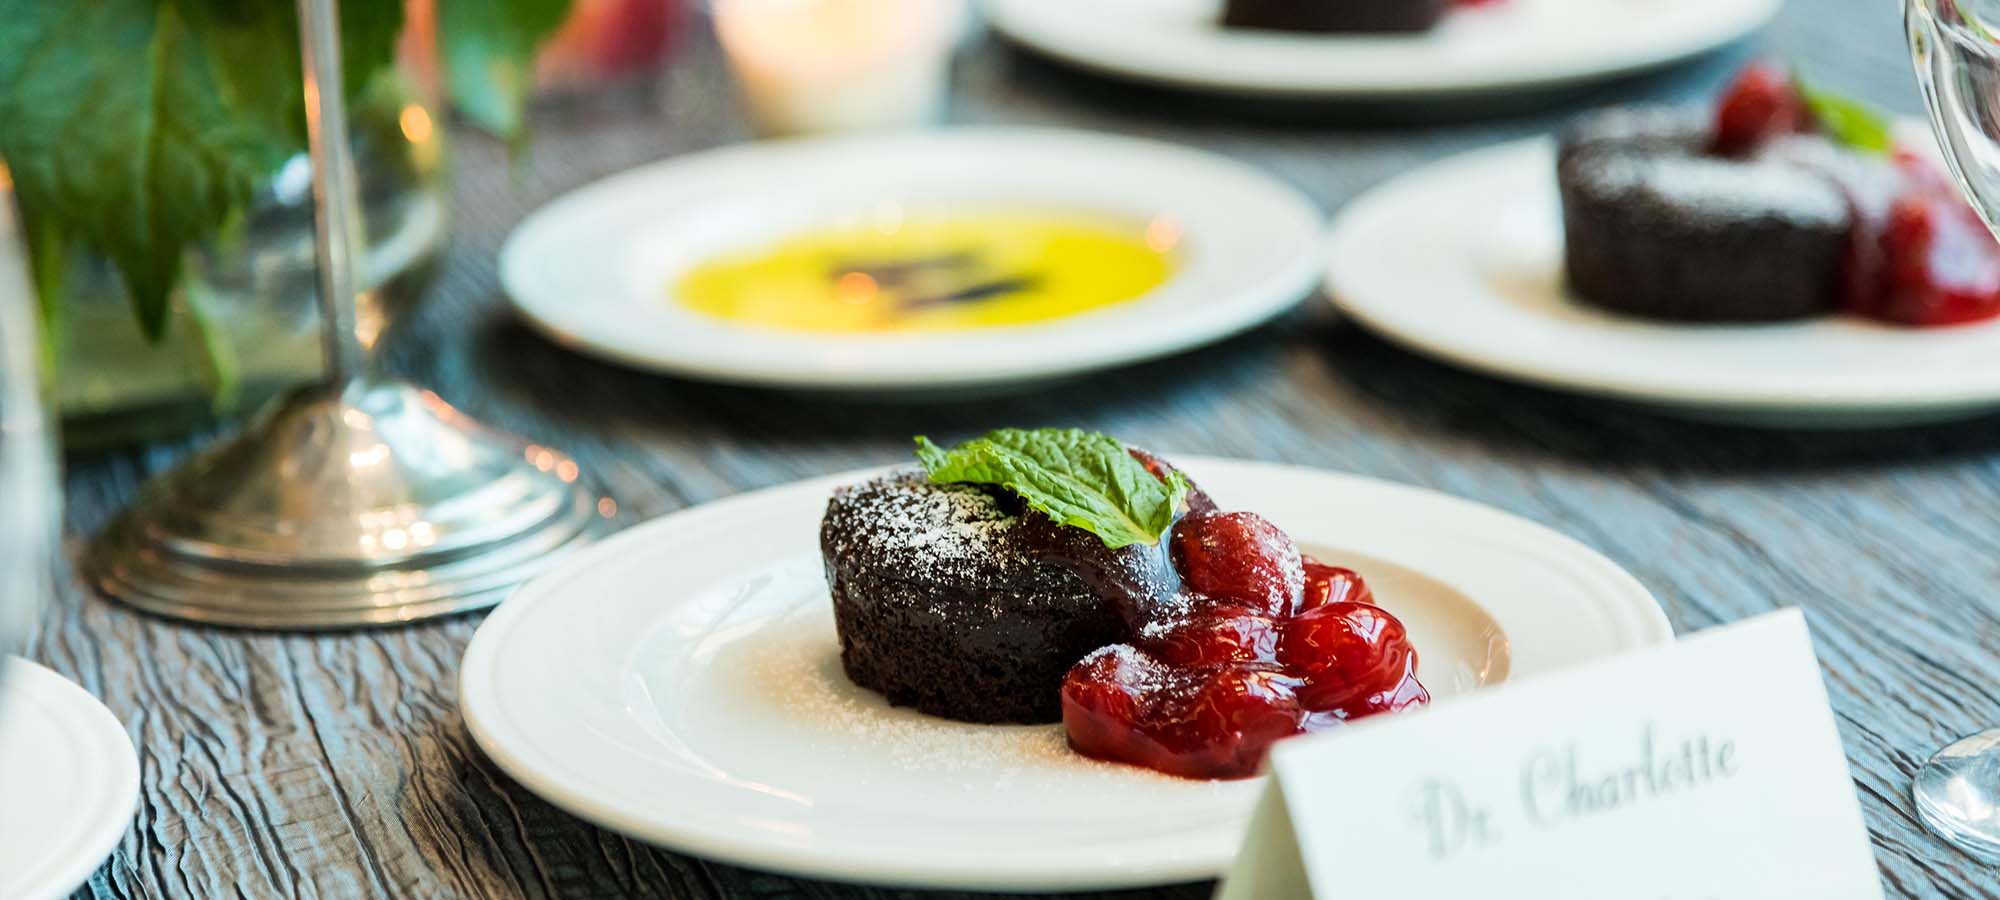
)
(830, 65)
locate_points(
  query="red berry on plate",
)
(1195, 722)
(1240, 558)
(1333, 584)
(1759, 105)
(1356, 659)
(1235, 718)
(1941, 265)
(1212, 636)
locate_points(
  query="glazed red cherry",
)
(1333, 584)
(1759, 105)
(1212, 636)
(1236, 716)
(1103, 695)
(1240, 558)
(1355, 658)
(1941, 266)
(1214, 722)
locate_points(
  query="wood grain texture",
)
(337, 766)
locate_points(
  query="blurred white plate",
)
(1510, 45)
(69, 782)
(681, 683)
(1463, 260)
(594, 268)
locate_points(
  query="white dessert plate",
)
(595, 268)
(1463, 260)
(69, 782)
(1507, 45)
(681, 683)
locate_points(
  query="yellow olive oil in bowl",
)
(948, 271)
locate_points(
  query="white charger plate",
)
(69, 782)
(1463, 260)
(594, 268)
(681, 683)
(1512, 45)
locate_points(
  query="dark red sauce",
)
(1237, 640)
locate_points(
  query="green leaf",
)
(135, 126)
(1847, 120)
(48, 260)
(489, 54)
(138, 127)
(221, 368)
(1075, 477)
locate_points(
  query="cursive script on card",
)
(1562, 784)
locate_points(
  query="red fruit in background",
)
(1333, 584)
(1940, 264)
(1240, 558)
(1212, 636)
(602, 39)
(1759, 105)
(1356, 659)
(1925, 173)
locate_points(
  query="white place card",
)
(1706, 770)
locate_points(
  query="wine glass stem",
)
(336, 206)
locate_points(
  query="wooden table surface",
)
(338, 766)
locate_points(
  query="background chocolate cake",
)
(1656, 227)
(944, 602)
(1334, 15)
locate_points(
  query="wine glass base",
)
(373, 504)
(1958, 795)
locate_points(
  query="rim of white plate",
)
(592, 268)
(1398, 265)
(1630, 610)
(95, 819)
(1471, 54)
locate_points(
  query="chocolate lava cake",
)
(960, 602)
(1658, 226)
(1334, 15)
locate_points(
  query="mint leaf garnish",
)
(1847, 120)
(1075, 477)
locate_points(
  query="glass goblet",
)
(1955, 45)
(28, 499)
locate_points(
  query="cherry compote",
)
(1259, 643)
(1241, 558)
(1759, 105)
(1928, 261)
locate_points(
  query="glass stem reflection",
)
(336, 204)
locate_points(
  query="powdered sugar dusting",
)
(925, 532)
(1721, 187)
(1138, 671)
(794, 671)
